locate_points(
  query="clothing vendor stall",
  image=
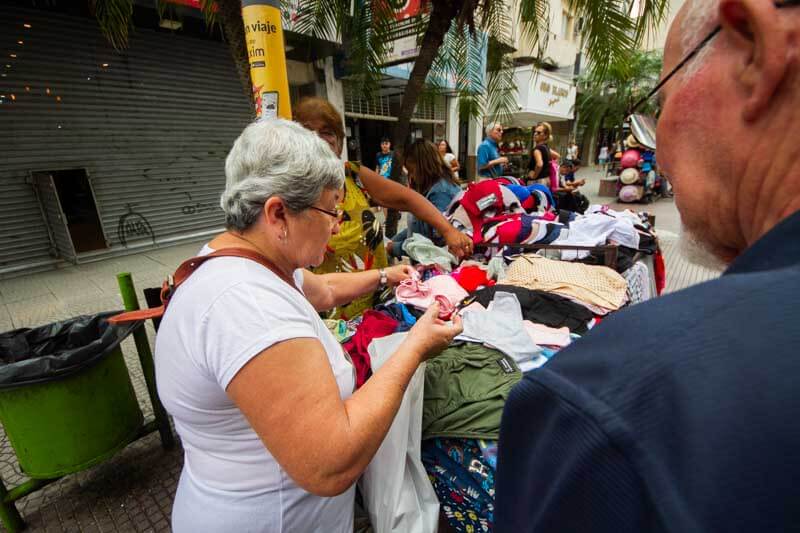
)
(539, 280)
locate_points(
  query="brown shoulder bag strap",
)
(186, 269)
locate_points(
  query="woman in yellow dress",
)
(359, 243)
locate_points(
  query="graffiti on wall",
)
(193, 208)
(133, 225)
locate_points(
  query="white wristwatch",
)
(384, 279)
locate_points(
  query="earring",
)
(284, 234)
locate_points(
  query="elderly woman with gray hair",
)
(261, 392)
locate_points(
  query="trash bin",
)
(66, 398)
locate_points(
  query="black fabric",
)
(46, 352)
(544, 172)
(675, 415)
(542, 307)
(625, 258)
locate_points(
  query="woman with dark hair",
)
(430, 176)
(449, 157)
(359, 243)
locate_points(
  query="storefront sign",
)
(543, 94)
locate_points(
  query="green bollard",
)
(131, 303)
(9, 514)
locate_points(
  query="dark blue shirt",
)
(681, 414)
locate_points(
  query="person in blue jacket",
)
(682, 414)
(430, 176)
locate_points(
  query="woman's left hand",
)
(459, 244)
(398, 273)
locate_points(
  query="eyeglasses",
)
(643, 127)
(335, 214)
(694, 52)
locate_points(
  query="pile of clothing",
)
(518, 313)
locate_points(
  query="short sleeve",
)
(483, 156)
(247, 319)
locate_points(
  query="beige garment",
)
(596, 285)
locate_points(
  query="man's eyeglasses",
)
(644, 127)
(335, 214)
(694, 52)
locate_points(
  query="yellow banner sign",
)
(265, 49)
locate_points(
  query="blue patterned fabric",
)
(463, 479)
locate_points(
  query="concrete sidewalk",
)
(134, 490)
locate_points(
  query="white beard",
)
(693, 250)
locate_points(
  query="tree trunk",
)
(441, 17)
(230, 16)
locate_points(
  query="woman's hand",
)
(459, 244)
(398, 273)
(430, 335)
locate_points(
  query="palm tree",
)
(115, 18)
(447, 33)
(444, 32)
(605, 97)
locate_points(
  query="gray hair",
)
(697, 22)
(276, 158)
(490, 127)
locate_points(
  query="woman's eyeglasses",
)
(335, 214)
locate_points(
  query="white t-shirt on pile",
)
(227, 312)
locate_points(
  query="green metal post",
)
(131, 302)
(8, 512)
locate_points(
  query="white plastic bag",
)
(397, 493)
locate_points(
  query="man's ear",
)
(752, 28)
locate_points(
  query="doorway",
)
(69, 201)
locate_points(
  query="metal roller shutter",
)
(151, 126)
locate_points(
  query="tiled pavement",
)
(134, 490)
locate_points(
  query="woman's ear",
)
(275, 214)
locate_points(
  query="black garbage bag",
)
(39, 354)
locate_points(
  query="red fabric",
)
(374, 325)
(469, 201)
(660, 271)
(472, 277)
(549, 216)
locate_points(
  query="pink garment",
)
(547, 336)
(422, 294)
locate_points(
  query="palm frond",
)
(115, 20)
(534, 23)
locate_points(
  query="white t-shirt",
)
(604, 152)
(227, 312)
(572, 152)
(449, 158)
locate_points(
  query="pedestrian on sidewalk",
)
(388, 166)
(680, 414)
(490, 163)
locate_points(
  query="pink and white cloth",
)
(421, 294)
